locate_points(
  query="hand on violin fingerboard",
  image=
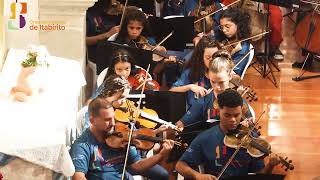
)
(180, 124)
(162, 128)
(237, 48)
(166, 147)
(273, 160)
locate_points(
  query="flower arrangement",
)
(36, 56)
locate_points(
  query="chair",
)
(103, 74)
(251, 55)
(81, 117)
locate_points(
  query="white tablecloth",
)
(39, 130)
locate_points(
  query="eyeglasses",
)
(227, 27)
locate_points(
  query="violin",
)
(246, 92)
(125, 112)
(159, 52)
(230, 45)
(256, 146)
(137, 81)
(142, 138)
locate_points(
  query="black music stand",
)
(182, 28)
(105, 49)
(264, 58)
(170, 106)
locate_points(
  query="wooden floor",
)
(292, 118)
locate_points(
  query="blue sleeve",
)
(194, 114)
(194, 155)
(90, 25)
(183, 80)
(236, 57)
(80, 155)
(134, 155)
(255, 165)
(197, 110)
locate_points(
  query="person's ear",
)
(91, 118)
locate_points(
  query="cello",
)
(307, 32)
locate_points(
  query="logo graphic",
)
(17, 19)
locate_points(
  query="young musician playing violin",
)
(121, 66)
(94, 159)
(101, 24)
(114, 90)
(234, 23)
(219, 74)
(135, 30)
(209, 149)
(194, 79)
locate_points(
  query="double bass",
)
(307, 32)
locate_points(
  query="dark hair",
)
(120, 55)
(241, 18)
(114, 84)
(196, 64)
(133, 14)
(96, 104)
(230, 98)
(100, 7)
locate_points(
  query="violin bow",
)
(163, 40)
(124, 10)
(239, 147)
(252, 37)
(132, 123)
(210, 14)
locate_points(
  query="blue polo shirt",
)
(209, 150)
(184, 80)
(97, 160)
(203, 109)
(236, 57)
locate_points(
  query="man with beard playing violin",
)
(94, 159)
(209, 149)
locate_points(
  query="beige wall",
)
(2, 40)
